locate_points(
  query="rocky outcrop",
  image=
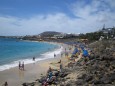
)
(99, 70)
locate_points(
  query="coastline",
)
(29, 60)
(33, 71)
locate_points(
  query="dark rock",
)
(95, 82)
(88, 78)
(82, 76)
(112, 76)
(24, 84)
(104, 85)
(62, 75)
(112, 63)
(105, 80)
(68, 78)
(80, 82)
(68, 84)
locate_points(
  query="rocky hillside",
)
(99, 70)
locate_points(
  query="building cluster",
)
(60, 36)
(107, 33)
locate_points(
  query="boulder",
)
(80, 82)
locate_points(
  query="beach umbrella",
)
(85, 53)
(75, 51)
(82, 47)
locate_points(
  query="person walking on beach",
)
(54, 55)
(19, 65)
(23, 66)
(33, 58)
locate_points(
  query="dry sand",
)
(16, 77)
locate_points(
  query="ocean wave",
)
(51, 53)
(44, 56)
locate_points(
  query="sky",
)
(31, 17)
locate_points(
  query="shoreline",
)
(33, 71)
(29, 60)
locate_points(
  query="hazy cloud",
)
(92, 16)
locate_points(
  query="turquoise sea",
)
(14, 50)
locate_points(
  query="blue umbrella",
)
(75, 51)
(85, 53)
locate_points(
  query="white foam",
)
(44, 56)
(51, 54)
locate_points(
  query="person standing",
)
(60, 67)
(54, 55)
(23, 66)
(19, 65)
(33, 58)
(65, 49)
(6, 84)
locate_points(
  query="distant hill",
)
(49, 33)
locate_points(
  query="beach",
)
(91, 68)
(33, 71)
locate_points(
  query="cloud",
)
(89, 17)
(96, 13)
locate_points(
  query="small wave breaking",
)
(44, 56)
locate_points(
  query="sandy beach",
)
(16, 77)
(82, 71)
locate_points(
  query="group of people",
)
(51, 76)
(21, 66)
